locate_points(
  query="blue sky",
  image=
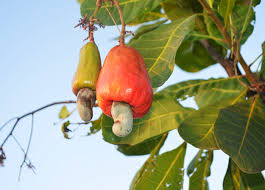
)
(39, 50)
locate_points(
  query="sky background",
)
(39, 52)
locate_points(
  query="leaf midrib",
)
(247, 125)
(169, 40)
(170, 168)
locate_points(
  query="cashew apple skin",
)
(124, 78)
(88, 68)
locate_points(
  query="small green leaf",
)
(225, 9)
(96, 127)
(131, 9)
(162, 172)
(65, 129)
(142, 148)
(64, 113)
(242, 17)
(165, 114)
(154, 14)
(239, 131)
(213, 31)
(237, 180)
(159, 53)
(176, 9)
(199, 170)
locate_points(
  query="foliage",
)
(231, 111)
(228, 117)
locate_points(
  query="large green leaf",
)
(149, 161)
(222, 88)
(225, 9)
(193, 57)
(165, 114)
(197, 128)
(131, 9)
(239, 131)
(159, 47)
(199, 170)
(238, 180)
(142, 148)
(162, 172)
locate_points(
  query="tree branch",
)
(255, 82)
(226, 63)
(31, 113)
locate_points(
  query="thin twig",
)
(31, 113)
(19, 145)
(3, 126)
(27, 150)
(123, 31)
(263, 53)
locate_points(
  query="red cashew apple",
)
(123, 88)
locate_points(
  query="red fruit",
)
(123, 78)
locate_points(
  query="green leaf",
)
(193, 57)
(162, 172)
(153, 155)
(65, 129)
(239, 131)
(159, 47)
(143, 148)
(96, 126)
(64, 113)
(242, 17)
(262, 70)
(237, 180)
(197, 128)
(222, 88)
(131, 10)
(213, 31)
(199, 170)
(176, 9)
(145, 29)
(225, 9)
(165, 114)
(155, 14)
